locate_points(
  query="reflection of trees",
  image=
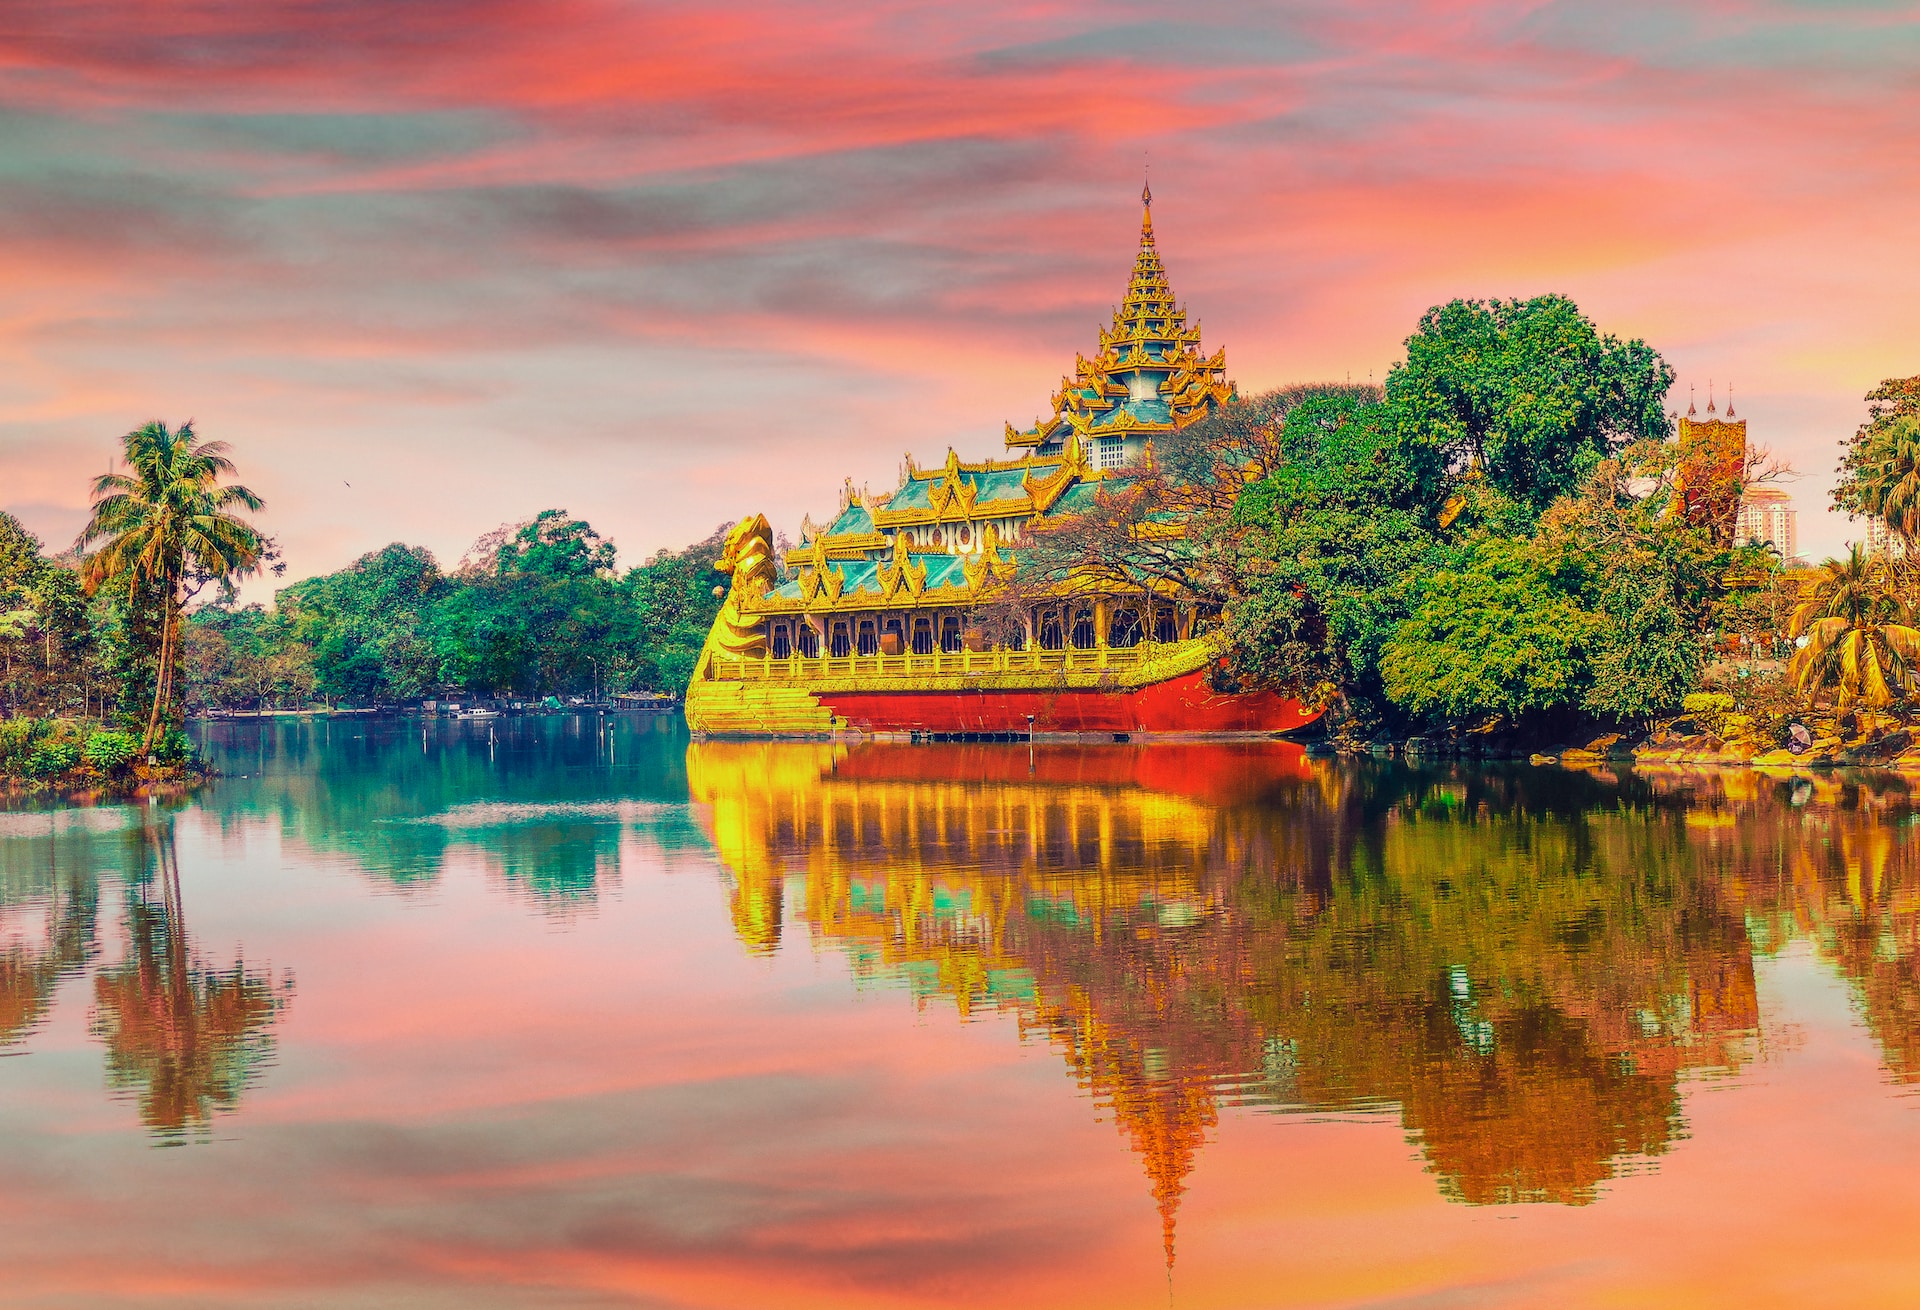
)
(1525, 987)
(186, 1037)
(1836, 859)
(376, 791)
(30, 971)
(1522, 964)
(558, 864)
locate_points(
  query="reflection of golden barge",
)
(876, 625)
(1198, 925)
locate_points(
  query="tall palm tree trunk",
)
(163, 679)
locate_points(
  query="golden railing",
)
(751, 668)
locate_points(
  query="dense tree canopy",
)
(1527, 393)
(1493, 639)
(536, 611)
(1487, 539)
(61, 651)
(555, 546)
(1342, 526)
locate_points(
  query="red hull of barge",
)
(1178, 705)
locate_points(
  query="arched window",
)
(841, 643)
(1123, 630)
(782, 644)
(923, 636)
(1051, 638)
(809, 641)
(1083, 635)
(1016, 637)
(1164, 626)
(869, 638)
(950, 634)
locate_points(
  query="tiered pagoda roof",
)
(1149, 375)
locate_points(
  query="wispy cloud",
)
(668, 263)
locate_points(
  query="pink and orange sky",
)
(662, 265)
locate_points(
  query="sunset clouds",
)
(663, 265)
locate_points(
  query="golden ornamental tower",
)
(1148, 376)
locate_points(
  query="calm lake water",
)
(571, 1012)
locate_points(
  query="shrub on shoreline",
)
(48, 751)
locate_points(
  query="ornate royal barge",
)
(875, 626)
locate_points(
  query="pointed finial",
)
(1729, 400)
(1691, 411)
(1146, 214)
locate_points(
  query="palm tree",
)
(1889, 486)
(169, 530)
(1890, 482)
(1860, 636)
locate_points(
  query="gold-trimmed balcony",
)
(1089, 668)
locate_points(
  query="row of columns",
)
(1049, 627)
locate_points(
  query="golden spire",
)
(1147, 288)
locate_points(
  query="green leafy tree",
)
(1880, 468)
(245, 657)
(1496, 638)
(1340, 526)
(60, 610)
(20, 568)
(1651, 576)
(209, 666)
(167, 528)
(674, 606)
(554, 545)
(366, 625)
(1528, 394)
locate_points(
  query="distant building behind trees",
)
(1717, 488)
(1767, 517)
(1882, 540)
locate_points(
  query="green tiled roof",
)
(912, 496)
(1145, 411)
(861, 575)
(945, 570)
(854, 518)
(1001, 484)
(1076, 499)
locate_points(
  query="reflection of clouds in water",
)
(38, 823)
(510, 814)
(25, 926)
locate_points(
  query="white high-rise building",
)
(1882, 540)
(1767, 516)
